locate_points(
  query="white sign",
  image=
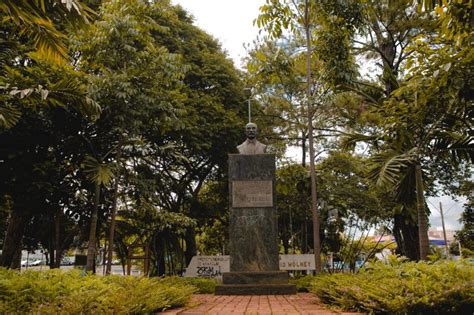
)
(297, 262)
(208, 266)
(214, 266)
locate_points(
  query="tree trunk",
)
(160, 254)
(110, 249)
(16, 263)
(57, 235)
(422, 218)
(191, 248)
(92, 232)
(161, 265)
(284, 239)
(304, 229)
(112, 217)
(169, 250)
(406, 236)
(12, 243)
(50, 253)
(314, 204)
(303, 148)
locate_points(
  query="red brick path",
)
(302, 303)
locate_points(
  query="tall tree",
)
(423, 117)
(175, 90)
(323, 30)
(133, 76)
(38, 85)
(465, 236)
(210, 126)
(61, 92)
(276, 16)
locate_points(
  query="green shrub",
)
(58, 292)
(202, 285)
(444, 287)
(302, 283)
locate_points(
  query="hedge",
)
(72, 292)
(400, 287)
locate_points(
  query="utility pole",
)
(250, 112)
(248, 104)
(444, 229)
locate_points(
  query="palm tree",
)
(405, 154)
(34, 19)
(99, 173)
(34, 23)
(425, 119)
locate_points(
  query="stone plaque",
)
(252, 194)
(297, 262)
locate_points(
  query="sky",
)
(231, 23)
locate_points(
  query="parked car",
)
(36, 262)
(67, 261)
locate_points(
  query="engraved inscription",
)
(252, 194)
(250, 220)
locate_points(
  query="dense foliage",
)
(132, 127)
(399, 287)
(392, 84)
(72, 292)
(115, 133)
(465, 236)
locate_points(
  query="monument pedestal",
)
(255, 283)
(253, 235)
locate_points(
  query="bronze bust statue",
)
(251, 145)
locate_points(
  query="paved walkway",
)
(302, 303)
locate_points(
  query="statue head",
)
(251, 130)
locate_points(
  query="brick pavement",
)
(302, 303)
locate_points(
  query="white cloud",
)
(452, 211)
(231, 22)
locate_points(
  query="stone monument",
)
(253, 235)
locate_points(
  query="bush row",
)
(399, 287)
(72, 292)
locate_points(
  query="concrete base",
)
(255, 289)
(255, 283)
(255, 277)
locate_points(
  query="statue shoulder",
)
(262, 146)
(241, 147)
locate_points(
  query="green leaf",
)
(386, 168)
(9, 116)
(98, 172)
